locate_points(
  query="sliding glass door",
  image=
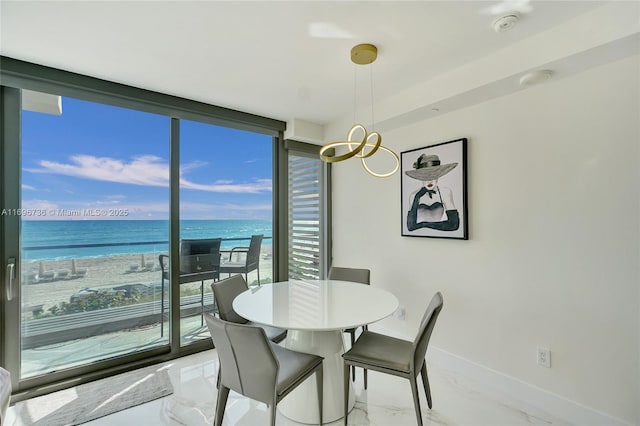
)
(110, 199)
(93, 218)
(225, 199)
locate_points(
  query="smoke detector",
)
(505, 22)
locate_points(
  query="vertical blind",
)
(305, 216)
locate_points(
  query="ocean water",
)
(68, 239)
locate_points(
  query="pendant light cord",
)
(373, 122)
(355, 89)
(355, 94)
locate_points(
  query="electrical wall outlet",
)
(544, 357)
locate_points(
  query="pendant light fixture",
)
(360, 143)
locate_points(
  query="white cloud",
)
(28, 187)
(189, 207)
(146, 170)
(191, 210)
(107, 202)
(260, 185)
(191, 166)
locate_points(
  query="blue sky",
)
(97, 156)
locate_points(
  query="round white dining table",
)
(315, 312)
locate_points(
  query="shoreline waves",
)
(77, 239)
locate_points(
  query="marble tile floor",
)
(456, 401)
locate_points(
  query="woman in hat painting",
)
(432, 205)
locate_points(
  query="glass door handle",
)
(10, 277)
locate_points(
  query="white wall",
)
(553, 256)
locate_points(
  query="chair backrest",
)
(426, 328)
(248, 365)
(225, 291)
(163, 260)
(253, 255)
(198, 255)
(200, 246)
(349, 274)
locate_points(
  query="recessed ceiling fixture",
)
(360, 143)
(535, 77)
(505, 22)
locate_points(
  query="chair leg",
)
(416, 400)
(425, 382)
(272, 412)
(201, 303)
(161, 306)
(353, 341)
(320, 390)
(346, 392)
(223, 394)
(365, 378)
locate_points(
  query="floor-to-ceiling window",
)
(101, 191)
(226, 185)
(93, 219)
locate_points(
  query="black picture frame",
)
(433, 191)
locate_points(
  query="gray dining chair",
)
(257, 368)
(355, 275)
(224, 291)
(398, 357)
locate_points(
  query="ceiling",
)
(282, 60)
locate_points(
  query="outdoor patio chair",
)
(199, 261)
(45, 275)
(77, 272)
(250, 263)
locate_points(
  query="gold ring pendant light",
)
(369, 143)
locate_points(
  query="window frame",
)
(16, 75)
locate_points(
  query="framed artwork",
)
(433, 187)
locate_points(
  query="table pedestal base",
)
(301, 404)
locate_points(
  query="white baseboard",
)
(500, 383)
(495, 381)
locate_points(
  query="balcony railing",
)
(105, 275)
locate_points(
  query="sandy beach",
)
(100, 273)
